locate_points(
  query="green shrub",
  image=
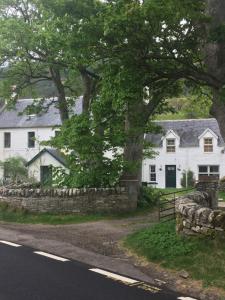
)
(149, 197)
(190, 179)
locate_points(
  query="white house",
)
(21, 134)
(183, 145)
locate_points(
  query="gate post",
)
(210, 185)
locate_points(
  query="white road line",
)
(10, 244)
(186, 298)
(51, 256)
(114, 276)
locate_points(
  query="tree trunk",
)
(89, 87)
(62, 103)
(215, 58)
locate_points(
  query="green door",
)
(171, 176)
(46, 175)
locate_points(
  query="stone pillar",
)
(209, 184)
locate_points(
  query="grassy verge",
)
(8, 214)
(203, 259)
(222, 195)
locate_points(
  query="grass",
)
(202, 258)
(222, 195)
(182, 191)
(9, 214)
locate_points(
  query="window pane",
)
(153, 177)
(214, 169)
(7, 139)
(31, 139)
(208, 148)
(170, 142)
(152, 169)
(170, 149)
(57, 132)
(208, 141)
(203, 169)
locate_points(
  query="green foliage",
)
(202, 258)
(160, 242)
(190, 181)
(86, 156)
(15, 169)
(149, 197)
(136, 52)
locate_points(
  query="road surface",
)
(29, 274)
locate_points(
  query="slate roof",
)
(12, 118)
(187, 130)
(53, 152)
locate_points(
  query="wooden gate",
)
(166, 205)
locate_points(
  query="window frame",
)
(152, 173)
(7, 145)
(31, 140)
(209, 171)
(208, 146)
(171, 146)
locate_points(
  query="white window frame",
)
(209, 172)
(152, 172)
(169, 146)
(208, 145)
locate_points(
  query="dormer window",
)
(208, 145)
(170, 146)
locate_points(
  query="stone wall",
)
(195, 217)
(82, 201)
(222, 186)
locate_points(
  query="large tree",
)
(142, 49)
(36, 46)
(214, 57)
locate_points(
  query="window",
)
(152, 171)
(57, 132)
(7, 139)
(31, 139)
(170, 145)
(204, 171)
(208, 145)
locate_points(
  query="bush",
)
(222, 180)
(149, 197)
(190, 179)
(15, 170)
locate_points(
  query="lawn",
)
(222, 195)
(171, 191)
(9, 214)
(203, 259)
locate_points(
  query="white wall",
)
(19, 142)
(184, 159)
(44, 160)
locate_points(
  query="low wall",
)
(194, 217)
(82, 201)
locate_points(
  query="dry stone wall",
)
(83, 201)
(195, 217)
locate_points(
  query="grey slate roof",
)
(12, 118)
(53, 152)
(187, 130)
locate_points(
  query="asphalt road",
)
(26, 274)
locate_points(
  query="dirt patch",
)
(100, 237)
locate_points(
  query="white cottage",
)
(183, 145)
(21, 134)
